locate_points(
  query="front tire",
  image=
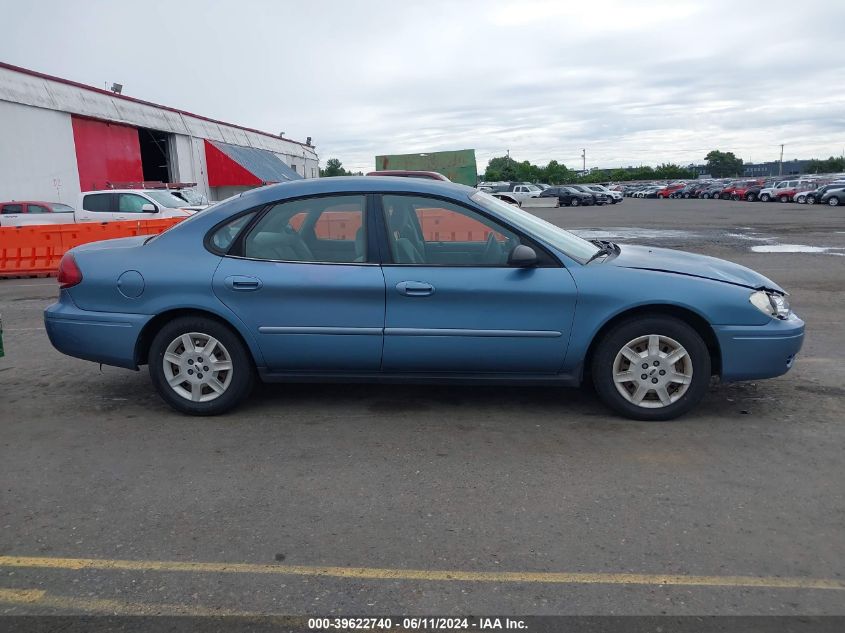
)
(750, 197)
(669, 353)
(574, 202)
(765, 197)
(199, 366)
(811, 200)
(833, 201)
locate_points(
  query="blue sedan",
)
(399, 279)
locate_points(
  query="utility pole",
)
(780, 166)
(584, 159)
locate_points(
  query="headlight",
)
(773, 304)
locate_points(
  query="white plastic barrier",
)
(539, 203)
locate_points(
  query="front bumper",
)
(109, 338)
(755, 352)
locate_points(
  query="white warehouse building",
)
(60, 138)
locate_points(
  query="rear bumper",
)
(754, 352)
(102, 337)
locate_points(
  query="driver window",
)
(428, 231)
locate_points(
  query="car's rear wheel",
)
(801, 199)
(811, 200)
(651, 368)
(765, 197)
(833, 201)
(784, 198)
(199, 366)
(686, 196)
(705, 195)
(575, 202)
(750, 197)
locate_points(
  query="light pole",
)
(583, 159)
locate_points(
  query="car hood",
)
(680, 263)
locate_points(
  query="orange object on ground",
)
(37, 249)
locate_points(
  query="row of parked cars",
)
(567, 195)
(804, 190)
(110, 205)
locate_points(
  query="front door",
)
(300, 281)
(453, 303)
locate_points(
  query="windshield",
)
(566, 242)
(166, 199)
(191, 196)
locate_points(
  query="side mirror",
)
(149, 208)
(522, 256)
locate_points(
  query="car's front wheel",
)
(833, 201)
(765, 197)
(199, 366)
(811, 200)
(651, 368)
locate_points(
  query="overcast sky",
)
(632, 82)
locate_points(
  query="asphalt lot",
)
(590, 513)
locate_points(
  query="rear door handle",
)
(242, 283)
(414, 288)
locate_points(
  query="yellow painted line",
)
(39, 598)
(21, 596)
(375, 573)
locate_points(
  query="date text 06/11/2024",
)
(416, 624)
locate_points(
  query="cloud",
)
(633, 83)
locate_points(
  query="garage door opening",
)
(155, 154)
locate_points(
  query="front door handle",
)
(242, 283)
(414, 288)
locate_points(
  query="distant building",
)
(761, 170)
(60, 138)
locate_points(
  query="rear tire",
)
(750, 197)
(811, 200)
(574, 202)
(653, 341)
(214, 366)
(765, 197)
(784, 199)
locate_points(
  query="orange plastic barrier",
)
(37, 250)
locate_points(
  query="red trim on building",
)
(224, 172)
(109, 93)
(105, 152)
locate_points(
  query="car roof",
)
(85, 193)
(32, 202)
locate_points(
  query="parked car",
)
(789, 193)
(748, 190)
(377, 279)
(568, 197)
(613, 196)
(194, 199)
(406, 173)
(648, 192)
(512, 192)
(27, 212)
(767, 194)
(114, 205)
(814, 196)
(668, 190)
(713, 191)
(833, 197)
(598, 196)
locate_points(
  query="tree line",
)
(504, 168)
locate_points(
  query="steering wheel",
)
(492, 250)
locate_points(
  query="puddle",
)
(745, 236)
(798, 248)
(633, 233)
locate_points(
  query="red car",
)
(740, 191)
(668, 190)
(26, 212)
(786, 195)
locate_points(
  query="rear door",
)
(453, 303)
(97, 207)
(40, 214)
(301, 281)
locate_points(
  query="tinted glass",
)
(166, 199)
(97, 202)
(12, 208)
(62, 208)
(37, 208)
(326, 229)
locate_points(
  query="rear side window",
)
(12, 208)
(223, 237)
(62, 208)
(37, 208)
(97, 202)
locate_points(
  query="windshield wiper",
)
(606, 247)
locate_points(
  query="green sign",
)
(457, 166)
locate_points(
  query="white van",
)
(118, 205)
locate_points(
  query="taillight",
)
(69, 273)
